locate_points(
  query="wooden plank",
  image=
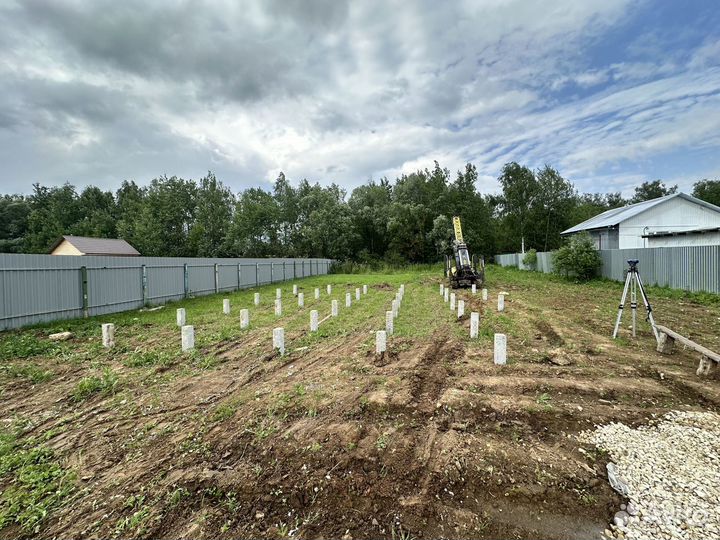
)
(685, 341)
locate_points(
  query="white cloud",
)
(334, 91)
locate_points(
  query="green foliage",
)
(708, 191)
(400, 221)
(578, 258)
(530, 259)
(24, 345)
(33, 481)
(28, 371)
(652, 190)
(14, 212)
(149, 358)
(105, 384)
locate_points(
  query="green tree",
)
(208, 236)
(97, 212)
(708, 191)
(53, 212)
(254, 226)
(652, 190)
(475, 213)
(369, 205)
(130, 200)
(286, 199)
(161, 227)
(555, 199)
(519, 191)
(14, 212)
(440, 237)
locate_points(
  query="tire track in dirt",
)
(430, 376)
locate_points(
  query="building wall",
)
(605, 239)
(696, 239)
(673, 215)
(65, 248)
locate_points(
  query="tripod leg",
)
(648, 307)
(633, 304)
(622, 305)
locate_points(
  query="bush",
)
(530, 259)
(578, 258)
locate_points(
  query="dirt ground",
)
(431, 440)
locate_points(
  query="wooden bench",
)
(666, 343)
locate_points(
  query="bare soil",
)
(431, 440)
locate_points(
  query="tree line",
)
(405, 220)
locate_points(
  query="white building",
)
(709, 236)
(673, 220)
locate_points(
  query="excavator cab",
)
(465, 271)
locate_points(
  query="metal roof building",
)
(634, 225)
(83, 245)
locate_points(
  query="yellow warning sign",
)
(458, 229)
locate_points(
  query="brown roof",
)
(99, 246)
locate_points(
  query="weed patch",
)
(106, 384)
(36, 483)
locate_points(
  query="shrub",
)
(578, 258)
(530, 259)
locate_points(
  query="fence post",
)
(84, 283)
(284, 277)
(257, 273)
(217, 276)
(272, 272)
(144, 285)
(294, 269)
(186, 280)
(239, 275)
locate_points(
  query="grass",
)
(16, 345)
(544, 399)
(30, 372)
(382, 441)
(106, 384)
(34, 481)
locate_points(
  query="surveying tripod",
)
(633, 282)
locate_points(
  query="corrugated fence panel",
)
(34, 293)
(691, 268)
(43, 288)
(264, 276)
(165, 282)
(227, 277)
(248, 274)
(114, 289)
(201, 279)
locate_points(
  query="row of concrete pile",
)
(458, 305)
(187, 332)
(390, 316)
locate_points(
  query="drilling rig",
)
(465, 271)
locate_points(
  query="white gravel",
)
(671, 472)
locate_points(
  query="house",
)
(640, 225)
(83, 245)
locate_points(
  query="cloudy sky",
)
(611, 92)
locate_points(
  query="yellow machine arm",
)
(458, 230)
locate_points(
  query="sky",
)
(610, 93)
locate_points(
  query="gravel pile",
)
(670, 472)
